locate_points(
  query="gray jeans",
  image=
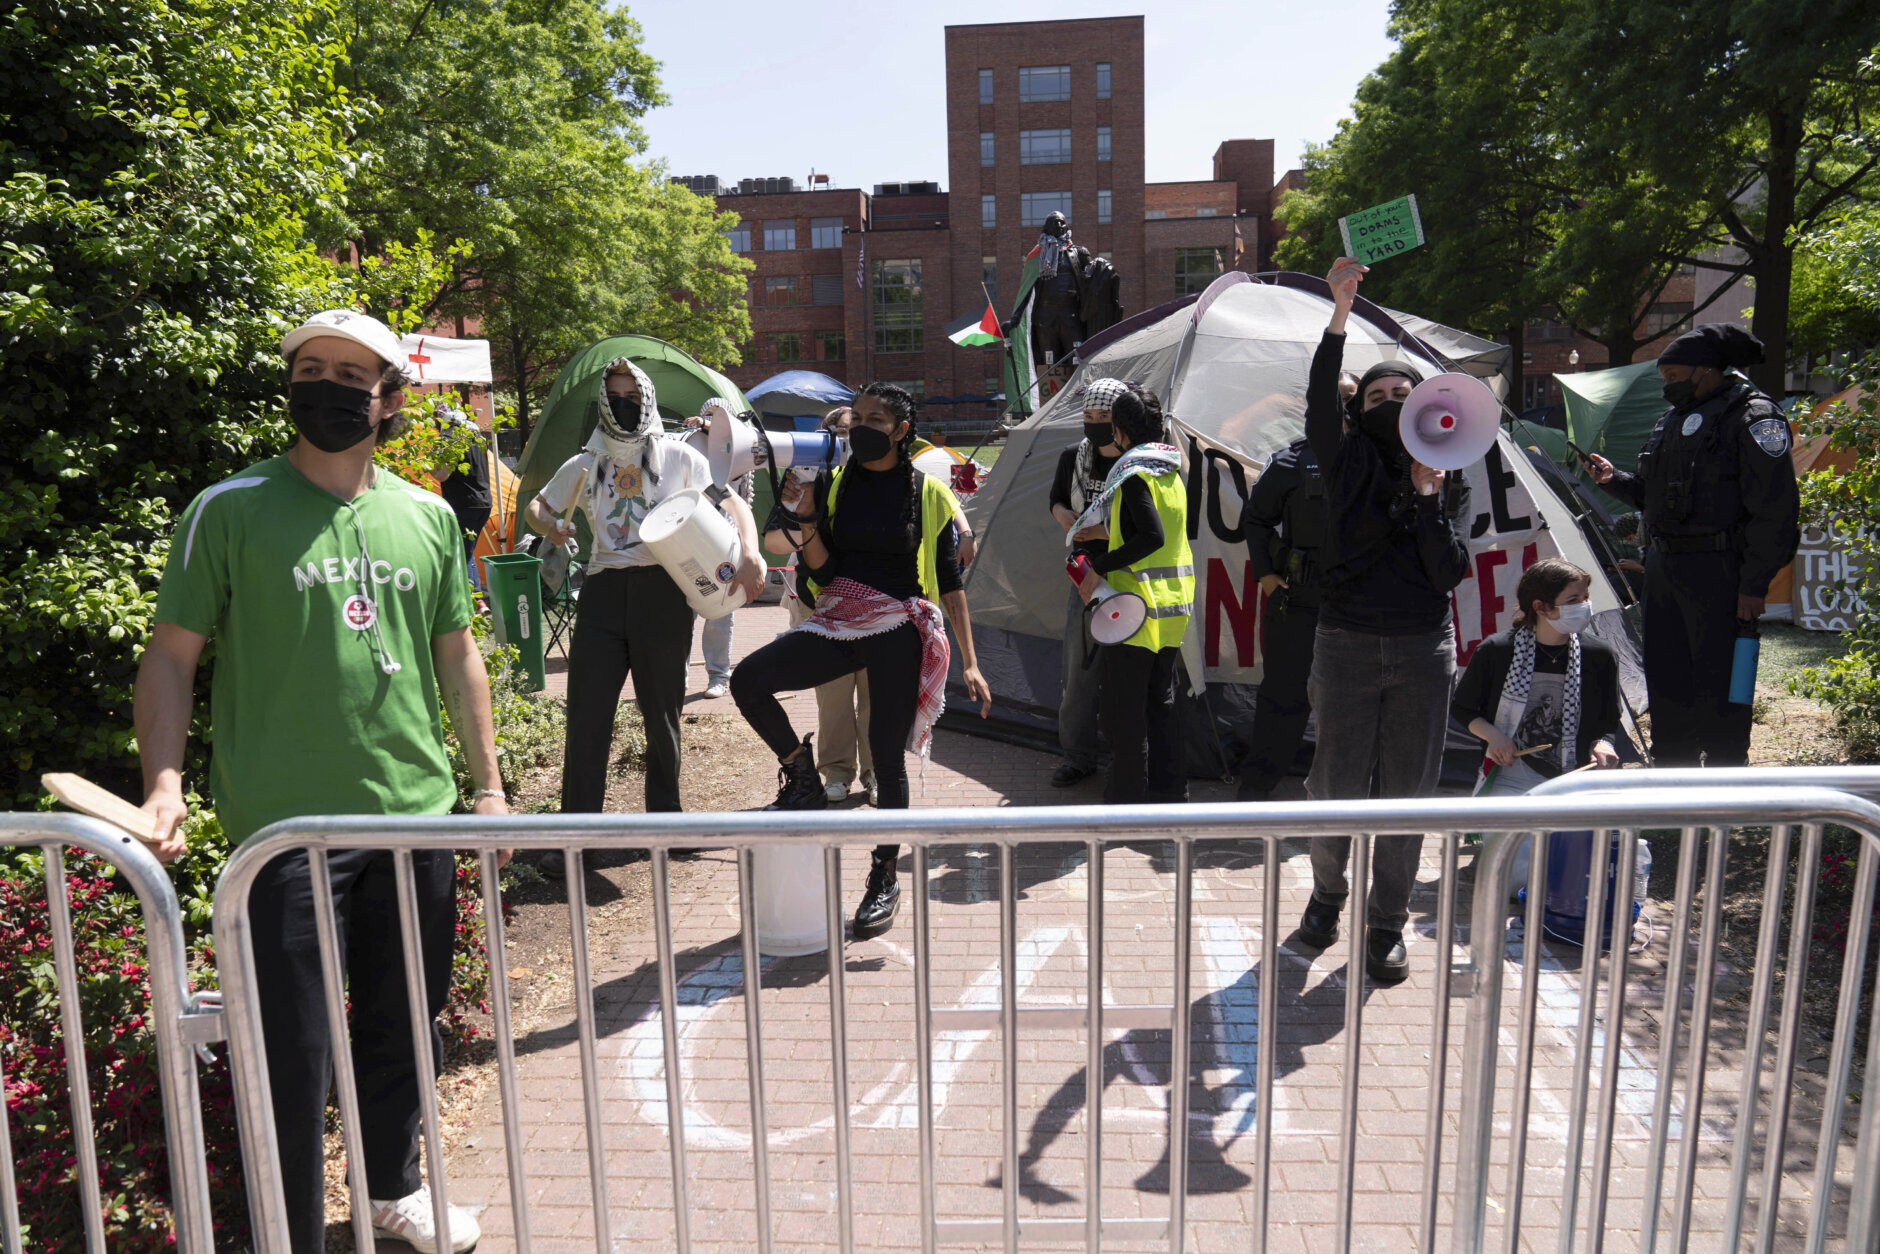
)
(1077, 708)
(1383, 706)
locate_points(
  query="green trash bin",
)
(515, 592)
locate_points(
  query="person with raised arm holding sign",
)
(1384, 656)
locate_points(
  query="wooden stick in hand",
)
(88, 798)
(1535, 749)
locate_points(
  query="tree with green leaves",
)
(159, 160)
(515, 128)
(1754, 114)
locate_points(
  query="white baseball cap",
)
(361, 329)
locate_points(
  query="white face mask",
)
(1575, 618)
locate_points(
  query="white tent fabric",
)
(1232, 367)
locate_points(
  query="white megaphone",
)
(699, 548)
(1450, 421)
(1114, 616)
(735, 447)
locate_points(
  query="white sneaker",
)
(836, 791)
(868, 782)
(717, 688)
(413, 1221)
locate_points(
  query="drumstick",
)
(88, 798)
(579, 483)
(1535, 749)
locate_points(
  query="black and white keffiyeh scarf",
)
(1141, 459)
(1514, 695)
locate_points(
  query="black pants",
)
(1137, 708)
(1690, 645)
(633, 620)
(294, 1026)
(1279, 717)
(800, 659)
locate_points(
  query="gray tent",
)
(1231, 367)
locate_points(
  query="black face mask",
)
(1099, 433)
(626, 410)
(868, 444)
(333, 416)
(1681, 394)
(1380, 423)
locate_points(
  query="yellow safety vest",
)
(1165, 580)
(938, 506)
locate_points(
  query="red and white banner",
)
(1518, 520)
(433, 359)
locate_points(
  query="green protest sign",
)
(1374, 234)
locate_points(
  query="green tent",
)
(683, 386)
(1610, 412)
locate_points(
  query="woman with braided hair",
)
(877, 553)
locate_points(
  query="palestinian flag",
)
(980, 332)
(1021, 372)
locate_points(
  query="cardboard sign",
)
(1824, 560)
(1374, 234)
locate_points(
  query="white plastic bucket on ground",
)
(792, 917)
(698, 547)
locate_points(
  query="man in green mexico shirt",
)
(336, 596)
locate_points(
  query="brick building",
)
(1041, 117)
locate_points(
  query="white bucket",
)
(698, 547)
(792, 912)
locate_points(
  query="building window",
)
(1153, 214)
(1103, 143)
(1051, 147)
(1664, 316)
(1035, 207)
(985, 87)
(1206, 213)
(897, 306)
(1042, 82)
(825, 232)
(989, 276)
(1103, 80)
(988, 211)
(780, 234)
(916, 388)
(780, 292)
(831, 346)
(1195, 268)
(740, 236)
(985, 148)
(785, 346)
(1103, 205)
(825, 289)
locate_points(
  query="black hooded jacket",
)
(1394, 557)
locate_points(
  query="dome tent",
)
(1231, 367)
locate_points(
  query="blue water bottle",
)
(1743, 668)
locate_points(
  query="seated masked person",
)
(632, 618)
(1384, 657)
(876, 552)
(1141, 517)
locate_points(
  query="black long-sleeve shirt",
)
(874, 540)
(1478, 692)
(1731, 476)
(1061, 483)
(1141, 532)
(1271, 516)
(1393, 559)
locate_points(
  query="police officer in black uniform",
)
(1721, 513)
(1285, 523)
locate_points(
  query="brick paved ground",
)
(1393, 1076)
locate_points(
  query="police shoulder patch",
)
(1771, 435)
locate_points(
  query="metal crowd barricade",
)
(181, 1021)
(1650, 805)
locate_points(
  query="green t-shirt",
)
(305, 716)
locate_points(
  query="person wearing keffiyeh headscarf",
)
(633, 619)
(1081, 470)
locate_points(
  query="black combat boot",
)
(881, 900)
(799, 787)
